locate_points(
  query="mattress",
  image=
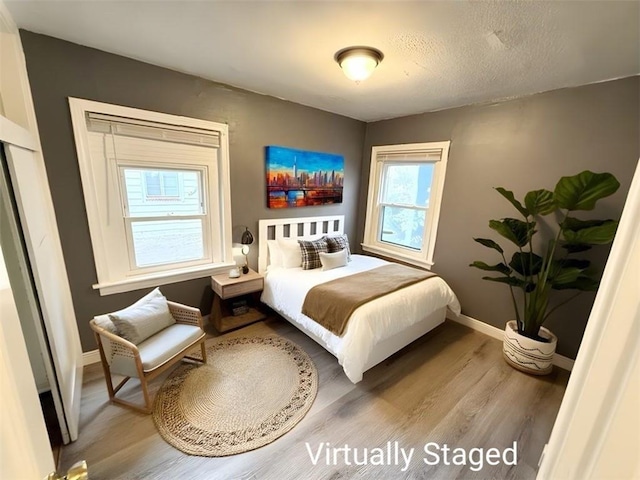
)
(285, 291)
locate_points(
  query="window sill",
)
(162, 278)
(408, 258)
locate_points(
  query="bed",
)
(376, 329)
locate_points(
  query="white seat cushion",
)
(165, 344)
(157, 349)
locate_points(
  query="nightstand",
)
(235, 300)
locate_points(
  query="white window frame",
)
(373, 223)
(113, 275)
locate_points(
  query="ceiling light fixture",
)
(358, 63)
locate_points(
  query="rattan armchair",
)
(151, 357)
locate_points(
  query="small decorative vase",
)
(526, 354)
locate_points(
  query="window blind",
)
(414, 156)
(129, 127)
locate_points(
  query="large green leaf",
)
(487, 242)
(565, 276)
(540, 202)
(526, 263)
(574, 262)
(582, 191)
(584, 283)
(576, 247)
(575, 224)
(508, 194)
(598, 235)
(515, 230)
(513, 281)
(500, 267)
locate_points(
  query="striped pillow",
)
(310, 253)
(337, 243)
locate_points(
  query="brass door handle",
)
(78, 471)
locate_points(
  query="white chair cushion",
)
(144, 318)
(166, 344)
(156, 350)
(103, 321)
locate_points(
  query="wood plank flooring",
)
(450, 387)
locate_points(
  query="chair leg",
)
(105, 368)
(145, 392)
(204, 352)
(143, 383)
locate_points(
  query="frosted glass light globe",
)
(358, 67)
(358, 63)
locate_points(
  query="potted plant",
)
(528, 346)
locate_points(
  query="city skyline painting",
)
(300, 178)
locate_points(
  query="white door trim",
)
(16, 135)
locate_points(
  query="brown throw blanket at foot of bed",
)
(332, 303)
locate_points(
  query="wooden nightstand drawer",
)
(227, 287)
(233, 290)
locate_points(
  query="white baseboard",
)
(558, 360)
(93, 356)
(90, 357)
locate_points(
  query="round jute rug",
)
(251, 391)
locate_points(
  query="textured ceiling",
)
(437, 54)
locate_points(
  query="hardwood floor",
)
(449, 387)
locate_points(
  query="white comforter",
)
(286, 289)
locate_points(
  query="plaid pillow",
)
(310, 253)
(337, 243)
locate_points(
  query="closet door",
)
(37, 219)
(25, 451)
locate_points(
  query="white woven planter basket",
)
(526, 354)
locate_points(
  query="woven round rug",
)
(252, 391)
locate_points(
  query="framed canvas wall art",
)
(300, 178)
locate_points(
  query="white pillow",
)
(143, 319)
(333, 260)
(291, 253)
(275, 253)
(105, 322)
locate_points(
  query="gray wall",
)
(522, 145)
(59, 69)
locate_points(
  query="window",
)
(172, 231)
(156, 189)
(160, 184)
(403, 205)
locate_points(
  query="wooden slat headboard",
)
(295, 228)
